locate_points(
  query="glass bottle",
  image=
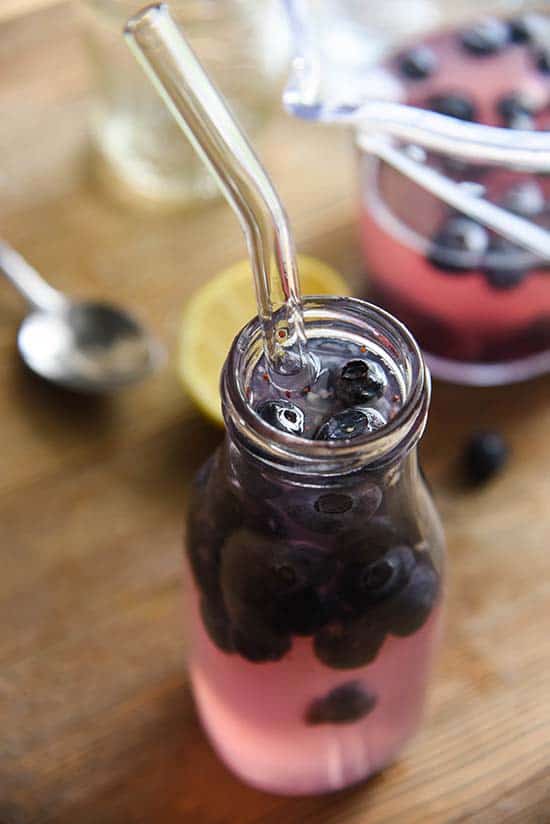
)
(315, 576)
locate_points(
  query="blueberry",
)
(486, 37)
(359, 383)
(484, 456)
(350, 424)
(332, 512)
(254, 482)
(209, 524)
(258, 644)
(460, 245)
(505, 279)
(516, 112)
(202, 477)
(543, 62)
(382, 578)
(274, 581)
(309, 518)
(418, 63)
(365, 543)
(333, 503)
(408, 610)
(204, 559)
(519, 31)
(266, 520)
(283, 415)
(344, 704)
(217, 623)
(300, 613)
(364, 584)
(453, 105)
(350, 643)
(526, 199)
(537, 335)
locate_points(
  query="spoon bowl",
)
(88, 347)
(85, 346)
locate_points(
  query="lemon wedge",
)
(218, 311)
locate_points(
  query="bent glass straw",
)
(202, 114)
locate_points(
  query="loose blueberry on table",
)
(485, 455)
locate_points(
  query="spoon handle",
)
(27, 281)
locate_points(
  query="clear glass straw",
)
(203, 115)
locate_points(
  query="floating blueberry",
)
(333, 503)
(274, 583)
(519, 31)
(543, 62)
(202, 477)
(217, 623)
(344, 704)
(210, 521)
(350, 424)
(283, 415)
(408, 610)
(349, 643)
(536, 336)
(204, 559)
(486, 37)
(418, 63)
(382, 578)
(228, 508)
(332, 512)
(254, 479)
(484, 456)
(516, 112)
(505, 279)
(258, 644)
(365, 543)
(359, 383)
(460, 245)
(301, 612)
(364, 584)
(526, 199)
(506, 264)
(453, 105)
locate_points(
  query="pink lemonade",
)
(478, 304)
(315, 558)
(256, 718)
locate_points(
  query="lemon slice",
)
(218, 311)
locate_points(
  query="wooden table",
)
(97, 723)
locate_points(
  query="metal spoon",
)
(85, 346)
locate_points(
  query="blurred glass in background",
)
(141, 152)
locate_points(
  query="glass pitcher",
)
(453, 167)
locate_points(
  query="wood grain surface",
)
(96, 720)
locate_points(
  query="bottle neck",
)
(301, 456)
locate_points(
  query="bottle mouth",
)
(338, 318)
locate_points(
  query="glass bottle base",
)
(256, 715)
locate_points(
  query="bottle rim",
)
(331, 314)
